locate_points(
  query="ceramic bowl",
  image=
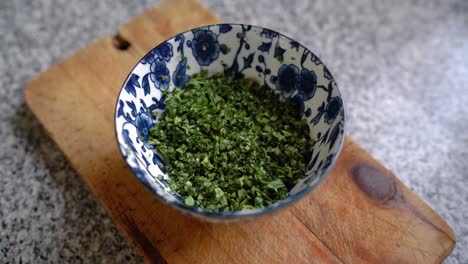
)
(277, 61)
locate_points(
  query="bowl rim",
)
(243, 214)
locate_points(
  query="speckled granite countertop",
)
(401, 65)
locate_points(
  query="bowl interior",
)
(272, 59)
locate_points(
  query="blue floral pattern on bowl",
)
(267, 56)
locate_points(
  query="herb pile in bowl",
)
(230, 144)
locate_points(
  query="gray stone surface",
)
(401, 65)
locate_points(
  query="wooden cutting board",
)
(360, 213)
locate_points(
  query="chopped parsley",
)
(230, 144)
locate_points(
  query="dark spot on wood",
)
(379, 186)
(142, 240)
(120, 43)
(374, 182)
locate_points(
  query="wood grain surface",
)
(360, 213)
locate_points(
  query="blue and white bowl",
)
(278, 62)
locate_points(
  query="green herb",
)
(128, 151)
(189, 201)
(230, 144)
